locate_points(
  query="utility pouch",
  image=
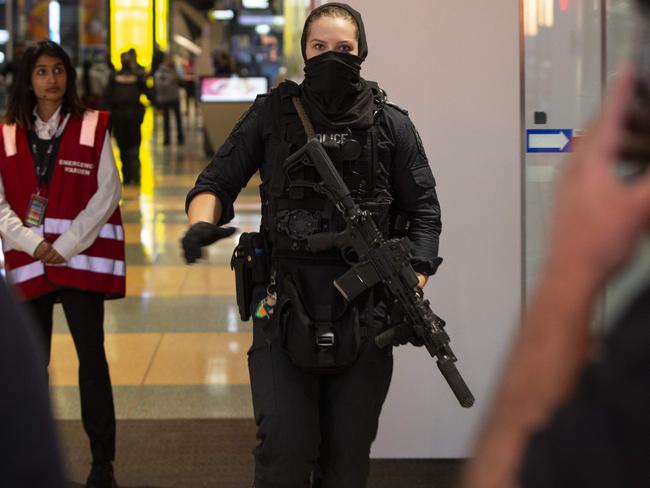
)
(251, 265)
(318, 346)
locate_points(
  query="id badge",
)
(36, 211)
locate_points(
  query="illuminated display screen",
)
(232, 89)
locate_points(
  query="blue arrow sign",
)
(549, 140)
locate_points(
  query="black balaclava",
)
(335, 94)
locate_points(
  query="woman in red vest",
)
(61, 228)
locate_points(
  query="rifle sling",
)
(306, 123)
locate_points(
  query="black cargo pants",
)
(312, 426)
(128, 134)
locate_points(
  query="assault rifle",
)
(375, 260)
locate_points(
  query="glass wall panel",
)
(562, 85)
(573, 50)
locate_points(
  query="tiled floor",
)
(175, 345)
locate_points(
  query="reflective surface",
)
(175, 345)
(568, 55)
(563, 71)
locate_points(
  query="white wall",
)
(455, 66)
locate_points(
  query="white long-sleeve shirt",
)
(87, 224)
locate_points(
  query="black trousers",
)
(84, 312)
(314, 430)
(174, 106)
(128, 134)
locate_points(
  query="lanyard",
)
(44, 153)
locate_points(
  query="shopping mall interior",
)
(482, 83)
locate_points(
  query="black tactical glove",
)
(403, 333)
(202, 234)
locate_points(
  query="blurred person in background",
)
(61, 227)
(167, 86)
(571, 411)
(157, 58)
(222, 63)
(93, 83)
(133, 54)
(122, 96)
(189, 84)
(9, 69)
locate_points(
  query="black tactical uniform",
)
(318, 379)
(284, 395)
(123, 99)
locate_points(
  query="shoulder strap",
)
(306, 123)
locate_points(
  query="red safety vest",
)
(100, 267)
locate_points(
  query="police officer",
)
(318, 380)
(123, 98)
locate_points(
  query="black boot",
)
(101, 476)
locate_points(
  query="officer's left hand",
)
(202, 234)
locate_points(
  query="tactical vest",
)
(319, 329)
(126, 92)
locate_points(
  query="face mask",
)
(333, 76)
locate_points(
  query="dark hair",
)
(330, 11)
(22, 100)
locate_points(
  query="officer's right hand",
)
(404, 334)
(202, 234)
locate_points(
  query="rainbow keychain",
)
(264, 309)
